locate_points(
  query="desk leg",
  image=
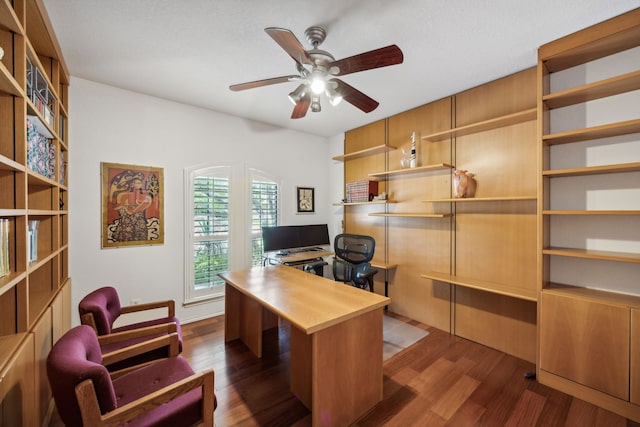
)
(339, 369)
(243, 319)
(300, 365)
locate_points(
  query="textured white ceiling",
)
(190, 51)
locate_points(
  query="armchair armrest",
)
(90, 408)
(164, 328)
(170, 305)
(170, 341)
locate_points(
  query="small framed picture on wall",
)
(305, 200)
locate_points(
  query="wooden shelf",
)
(411, 215)
(383, 266)
(8, 346)
(591, 213)
(596, 132)
(613, 36)
(593, 170)
(482, 199)
(364, 153)
(427, 168)
(589, 92)
(12, 212)
(8, 18)
(373, 202)
(496, 288)
(507, 120)
(593, 254)
(8, 84)
(8, 164)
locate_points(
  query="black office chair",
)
(351, 261)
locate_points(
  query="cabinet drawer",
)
(586, 341)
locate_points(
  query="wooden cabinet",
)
(635, 356)
(33, 191)
(17, 387)
(589, 212)
(586, 340)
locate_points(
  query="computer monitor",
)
(294, 236)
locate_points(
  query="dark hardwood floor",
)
(442, 380)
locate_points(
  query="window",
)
(208, 232)
(264, 213)
(215, 242)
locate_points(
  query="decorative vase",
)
(404, 159)
(463, 184)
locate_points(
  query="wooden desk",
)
(336, 336)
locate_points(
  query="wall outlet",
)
(134, 301)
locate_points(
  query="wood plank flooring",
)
(442, 380)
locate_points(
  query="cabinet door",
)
(635, 356)
(61, 312)
(586, 341)
(17, 392)
(43, 340)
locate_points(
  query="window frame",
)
(240, 205)
(192, 295)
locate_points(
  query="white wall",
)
(114, 125)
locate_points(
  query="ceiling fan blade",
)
(354, 97)
(264, 82)
(288, 41)
(383, 57)
(301, 108)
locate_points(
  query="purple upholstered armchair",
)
(164, 393)
(102, 307)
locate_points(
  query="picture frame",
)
(305, 199)
(132, 205)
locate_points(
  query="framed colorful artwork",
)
(305, 200)
(132, 205)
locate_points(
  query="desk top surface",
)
(308, 301)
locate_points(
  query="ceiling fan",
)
(317, 71)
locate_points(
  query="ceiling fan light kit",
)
(317, 71)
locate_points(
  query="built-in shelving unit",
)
(482, 199)
(411, 215)
(593, 170)
(35, 291)
(408, 171)
(506, 120)
(373, 202)
(579, 235)
(595, 132)
(482, 285)
(364, 153)
(592, 91)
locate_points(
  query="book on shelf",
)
(32, 241)
(5, 267)
(63, 168)
(41, 152)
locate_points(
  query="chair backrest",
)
(74, 358)
(354, 248)
(104, 305)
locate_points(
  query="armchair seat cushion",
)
(184, 410)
